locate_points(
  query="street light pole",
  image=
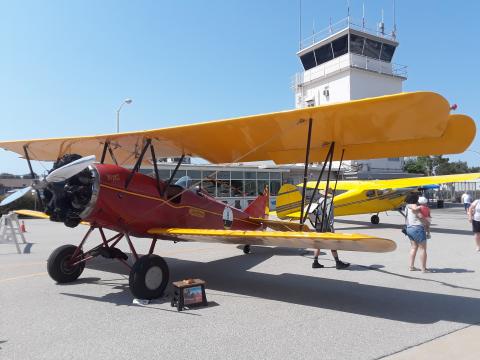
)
(126, 101)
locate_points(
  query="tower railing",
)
(342, 25)
(346, 61)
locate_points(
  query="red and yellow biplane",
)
(113, 194)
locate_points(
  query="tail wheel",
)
(246, 249)
(375, 219)
(149, 277)
(59, 267)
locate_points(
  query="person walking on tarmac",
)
(325, 224)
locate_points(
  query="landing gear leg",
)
(375, 219)
(246, 249)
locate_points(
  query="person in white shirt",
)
(474, 218)
(416, 231)
(466, 200)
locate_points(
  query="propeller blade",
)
(15, 196)
(71, 169)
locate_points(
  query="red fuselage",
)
(143, 206)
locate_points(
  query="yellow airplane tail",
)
(289, 201)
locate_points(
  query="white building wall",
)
(365, 84)
(338, 86)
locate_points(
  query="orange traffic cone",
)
(22, 227)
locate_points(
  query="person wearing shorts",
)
(474, 218)
(415, 226)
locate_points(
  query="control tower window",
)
(387, 52)
(324, 54)
(308, 60)
(372, 49)
(356, 44)
(340, 46)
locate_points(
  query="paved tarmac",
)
(266, 305)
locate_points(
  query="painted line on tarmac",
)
(23, 276)
(21, 265)
(45, 273)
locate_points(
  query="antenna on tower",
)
(348, 11)
(394, 30)
(381, 26)
(363, 15)
(300, 24)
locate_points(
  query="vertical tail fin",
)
(260, 207)
(289, 202)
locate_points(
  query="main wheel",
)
(149, 277)
(58, 267)
(375, 219)
(246, 249)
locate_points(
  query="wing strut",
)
(176, 169)
(305, 172)
(40, 201)
(155, 167)
(138, 163)
(326, 195)
(106, 147)
(328, 157)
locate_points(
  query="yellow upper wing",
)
(312, 240)
(367, 128)
(397, 183)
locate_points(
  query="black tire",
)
(57, 265)
(148, 277)
(246, 249)
(375, 219)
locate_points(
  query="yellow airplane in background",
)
(363, 196)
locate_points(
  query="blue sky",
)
(66, 66)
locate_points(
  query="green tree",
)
(437, 165)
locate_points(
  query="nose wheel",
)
(375, 219)
(246, 249)
(149, 277)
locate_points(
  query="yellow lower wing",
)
(40, 215)
(32, 213)
(293, 239)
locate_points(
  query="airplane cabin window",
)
(185, 182)
(370, 193)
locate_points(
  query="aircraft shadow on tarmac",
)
(231, 275)
(369, 225)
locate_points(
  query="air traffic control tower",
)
(348, 62)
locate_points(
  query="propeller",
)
(16, 195)
(71, 169)
(58, 175)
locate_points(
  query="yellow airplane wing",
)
(32, 213)
(39, 215)
(314, 240)
(416, 123)
(396, 183)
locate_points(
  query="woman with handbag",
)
(416, 226)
